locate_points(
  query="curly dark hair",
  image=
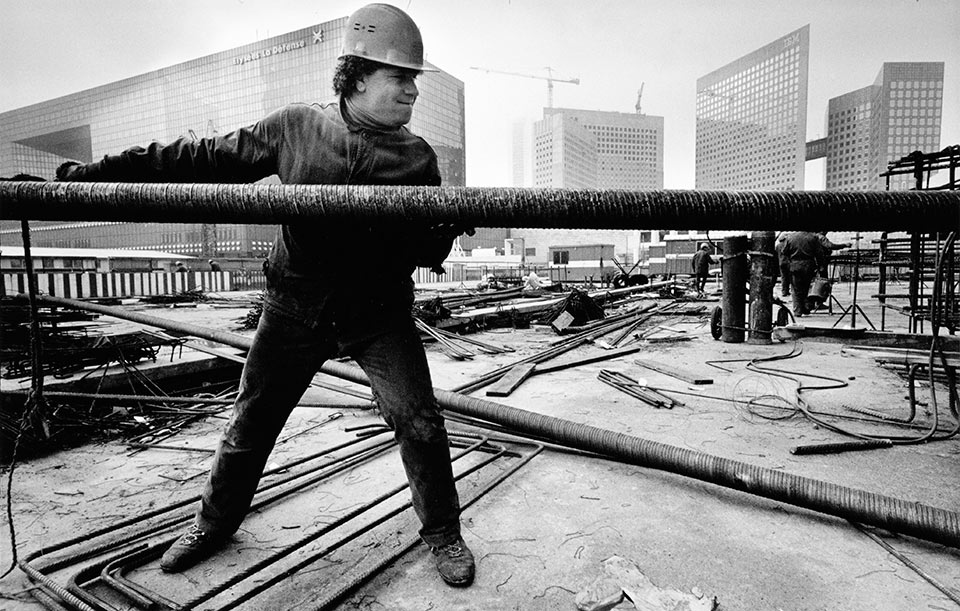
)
(350, 70)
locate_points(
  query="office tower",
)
(751, 119)
(870, 127)
(592, 149)
(600, 149)
(564, 153)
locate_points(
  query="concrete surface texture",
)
(542, 535)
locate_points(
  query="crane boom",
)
(549, 78)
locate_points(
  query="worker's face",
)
(388, 94)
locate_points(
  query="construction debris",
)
(624, 575)
(638, 389)
(64, 353)
(189, 296)
(576, 309)
(674, 372)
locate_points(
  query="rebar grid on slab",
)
(130, 551)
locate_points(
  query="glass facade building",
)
(751, 119)
(873, 126)
(202, 98)
(593, 149)
(564, 154)
(598, 149)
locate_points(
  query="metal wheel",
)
(716, 323)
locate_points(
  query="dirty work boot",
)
(192, 547)
(455, 563)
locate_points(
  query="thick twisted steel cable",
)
(482, 206)
(915, 519)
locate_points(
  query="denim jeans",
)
(287, 351)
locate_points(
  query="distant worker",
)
(490, 282)
(180, 267)
(533, 282)
(806, 254)
(784, 264)
(214, 266)
(701, 267)
(313, 311)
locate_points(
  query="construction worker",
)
(805, 252)
(701, 267)
(784, 265)
(214, 266)
(314, 310)
(180, 267)
(533, 282)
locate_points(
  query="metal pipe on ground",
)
(917, 211)
(734, 266)
(914, 519)
(762, 268)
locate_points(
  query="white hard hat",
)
(384, 34)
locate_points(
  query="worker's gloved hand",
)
(72, 171)
(434, 242)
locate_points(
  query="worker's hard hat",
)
(384, 34)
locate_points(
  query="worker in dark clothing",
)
(701, 266)
(214, 266)
(180, 267)
(805, 253)
(784, 265)
(314, 310)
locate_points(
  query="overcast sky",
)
(50, 48)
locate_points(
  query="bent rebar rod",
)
(915, 519)
(483, 206)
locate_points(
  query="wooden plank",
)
(689, 378)
(511, 380)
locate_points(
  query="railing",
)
(93, 285)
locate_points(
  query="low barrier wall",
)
(91, 285)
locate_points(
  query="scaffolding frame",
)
(920, 253)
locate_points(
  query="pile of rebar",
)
(637, 389)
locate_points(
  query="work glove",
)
(70, 171)
(434, 243)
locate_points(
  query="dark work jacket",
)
(803, 246)
(355, 274)
(701, 262)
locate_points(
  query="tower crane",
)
(639, 97)
(549, 78)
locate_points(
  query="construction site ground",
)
(542, 535)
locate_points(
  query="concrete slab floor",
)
(542, 535)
